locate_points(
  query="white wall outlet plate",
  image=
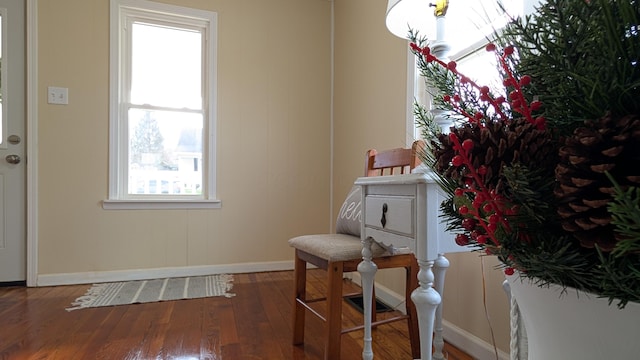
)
(57, 95)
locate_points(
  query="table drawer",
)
(397, 212)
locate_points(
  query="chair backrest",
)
(393, 161)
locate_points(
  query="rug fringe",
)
(228, 281)
(89, 297)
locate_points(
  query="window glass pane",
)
(165, 152)
(468, 22)
(166, 66)
(481, 67)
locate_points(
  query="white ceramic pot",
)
(575, 325)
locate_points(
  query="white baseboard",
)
(470, 343)
(158, 273)
(460, 338)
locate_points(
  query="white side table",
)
(403, 211)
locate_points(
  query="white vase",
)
(575, 325)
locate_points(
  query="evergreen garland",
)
(584, 56)
(583, 61)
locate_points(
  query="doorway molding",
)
(32, 140)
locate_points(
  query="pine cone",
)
(497, 145)
(608, 144)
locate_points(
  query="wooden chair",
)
(340, 253)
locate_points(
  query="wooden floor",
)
(255, 324)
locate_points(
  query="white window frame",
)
(120, 13)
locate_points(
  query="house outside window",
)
(162, 106)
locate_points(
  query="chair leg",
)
(334, 311)
(300, 291)
(412, 321)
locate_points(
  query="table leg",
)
(367, 269)
(427, 300)
(440, 268)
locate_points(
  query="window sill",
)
(160, 204)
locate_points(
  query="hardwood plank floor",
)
(255, 324)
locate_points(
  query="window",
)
(162, 106)
(468, 25)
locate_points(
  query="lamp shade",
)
(417, 15)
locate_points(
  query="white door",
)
(13, 254)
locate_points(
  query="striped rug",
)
(144, 291)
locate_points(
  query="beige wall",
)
(370, 95)
(274, 139)
(273, 122)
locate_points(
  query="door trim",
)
(32, 140)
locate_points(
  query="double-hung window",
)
(162, 106)
(469, 25)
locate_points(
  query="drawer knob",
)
(383, 221)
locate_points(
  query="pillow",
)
(349, 216)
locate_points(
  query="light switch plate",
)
(58, 95)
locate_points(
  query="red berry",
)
(535, 105)
(484, 90)
(491, 47)
(509, 271)
(457, 160)
(508, 50)
(476, 204)
(452, 65)
(458, 192)
(494, 219)
(467, 144)
(482, 170)
(468, 224)
(526, 80)
(492, 227)
(462, 239)
(487, 207)
(482, 239)
(456, 98)
(446, 98)
(464, 210)
(478, 115)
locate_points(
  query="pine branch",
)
(625, 216)
(584, 57)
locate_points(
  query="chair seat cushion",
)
(334, 247)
